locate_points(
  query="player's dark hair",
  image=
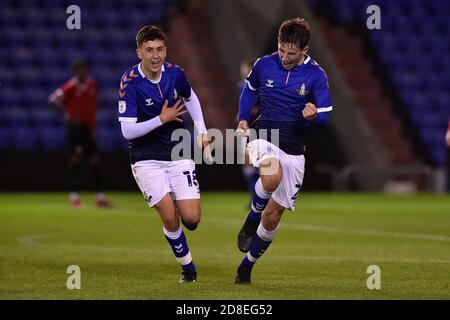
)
(149, 33)
(80, 64)
(294, 31)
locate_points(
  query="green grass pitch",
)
(322, 250)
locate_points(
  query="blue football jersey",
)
(141, 99)
(282, 96)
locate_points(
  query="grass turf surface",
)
(321, 251)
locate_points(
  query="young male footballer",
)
(293, 94)
(152, 98)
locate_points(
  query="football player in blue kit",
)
(293, 94)
(153, 95)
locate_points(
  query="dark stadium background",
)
(390, 87)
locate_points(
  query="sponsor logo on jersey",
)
(148, 102)
(269, 83)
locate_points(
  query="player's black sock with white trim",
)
(178, 243)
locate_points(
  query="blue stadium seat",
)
(24, 138)
(109, 137)
(5, 138)
(37, 52)
(45, 116)
(35, 97)
(16, 115)
(413, 45)
(52, 138)
(107, 117)
(10, 96)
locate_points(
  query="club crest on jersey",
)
(148, 102)
(301, 91)
(175, 94)
(269, 83)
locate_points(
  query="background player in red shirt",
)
(77, 101)
(447, 142)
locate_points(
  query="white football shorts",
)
(157, 178)
(293, 167)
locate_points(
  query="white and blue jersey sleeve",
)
(321, 93)
(252, 79)
(128, 109)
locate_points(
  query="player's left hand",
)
(310, 111)
(203, 142)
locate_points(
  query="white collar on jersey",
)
(153, 81)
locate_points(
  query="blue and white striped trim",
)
(251, 258)
(255, 210)
(307, 60)
(250, 86)
(127, 119)
(319, 110)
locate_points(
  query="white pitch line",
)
(365, 232)
(34, 240)
(319, 228)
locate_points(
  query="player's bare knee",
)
(190, 226)
(271, 174)
(270, 183)
(191, 222)
(190, 212)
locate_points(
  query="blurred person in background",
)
(447, 142)
(76, 101)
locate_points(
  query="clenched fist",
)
(310, 111)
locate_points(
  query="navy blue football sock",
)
(246, 262)
(259, 202)
(260, 244)
(178, 243)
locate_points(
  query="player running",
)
(153, 94)
(293, 94)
